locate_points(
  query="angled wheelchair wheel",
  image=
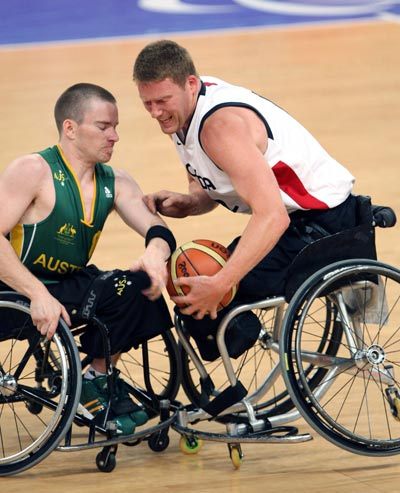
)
(154, 366)
(356, 403)
(259, 366)
(40, 383)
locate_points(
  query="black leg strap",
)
(225, 399)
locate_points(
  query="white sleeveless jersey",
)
(308, 177)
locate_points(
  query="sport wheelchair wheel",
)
(40, 385)
(154, 366)
(260, 364)
(356, 405)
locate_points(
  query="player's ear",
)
(192, 82)
(69, 128)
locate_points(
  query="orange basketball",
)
(197, 258)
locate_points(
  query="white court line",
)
(374, 7)
(178, 7)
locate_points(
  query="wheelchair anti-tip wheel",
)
(40, 384)
(190, 445)
(355, 405)
(235, 454)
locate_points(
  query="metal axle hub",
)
(375, 354)
(8, 384)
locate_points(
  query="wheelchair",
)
(40, 387)
(327, 350)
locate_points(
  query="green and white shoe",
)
(94, 401)
(124, 403)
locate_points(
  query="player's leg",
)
(116, 299)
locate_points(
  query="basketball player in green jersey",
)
(55, 203)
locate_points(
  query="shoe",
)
(123, 402)
(94, 400)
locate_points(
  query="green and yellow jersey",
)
(64, 241)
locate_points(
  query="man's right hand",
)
(46, 312)
(171, 204)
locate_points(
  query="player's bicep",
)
(230, 143)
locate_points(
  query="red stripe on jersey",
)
(291, 184)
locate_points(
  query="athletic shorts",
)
(129, 316)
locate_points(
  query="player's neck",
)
(183, 131)
(82, 167)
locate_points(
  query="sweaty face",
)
(96, 135)
(169, 103)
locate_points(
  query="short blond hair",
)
(161, 60)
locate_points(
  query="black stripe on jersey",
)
(202, 89)
(181, 136)
(240, 105)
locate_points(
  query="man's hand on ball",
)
(203, 297)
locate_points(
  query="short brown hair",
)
(73, 102)
(161, 60)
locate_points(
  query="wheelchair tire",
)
(35, 414)
(355, 405)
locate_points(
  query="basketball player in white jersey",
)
(245, 153)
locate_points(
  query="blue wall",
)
(32, 21)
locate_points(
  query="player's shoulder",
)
(121, 174)
(124, 178)
(26, 173)
(29, 165)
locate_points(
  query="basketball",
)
(197, 258)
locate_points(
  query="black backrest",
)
(357, 242)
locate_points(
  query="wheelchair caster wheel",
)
(158, 442)
(236, 454)
(106, 461)
(190, 445)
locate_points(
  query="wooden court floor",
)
(342, 83)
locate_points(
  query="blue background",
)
(33, 21)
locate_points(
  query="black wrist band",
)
(163, 233)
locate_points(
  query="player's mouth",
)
(109, 150)
(166, 122)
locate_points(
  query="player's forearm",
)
(258, 239)
(15, 274)
(200, 202)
